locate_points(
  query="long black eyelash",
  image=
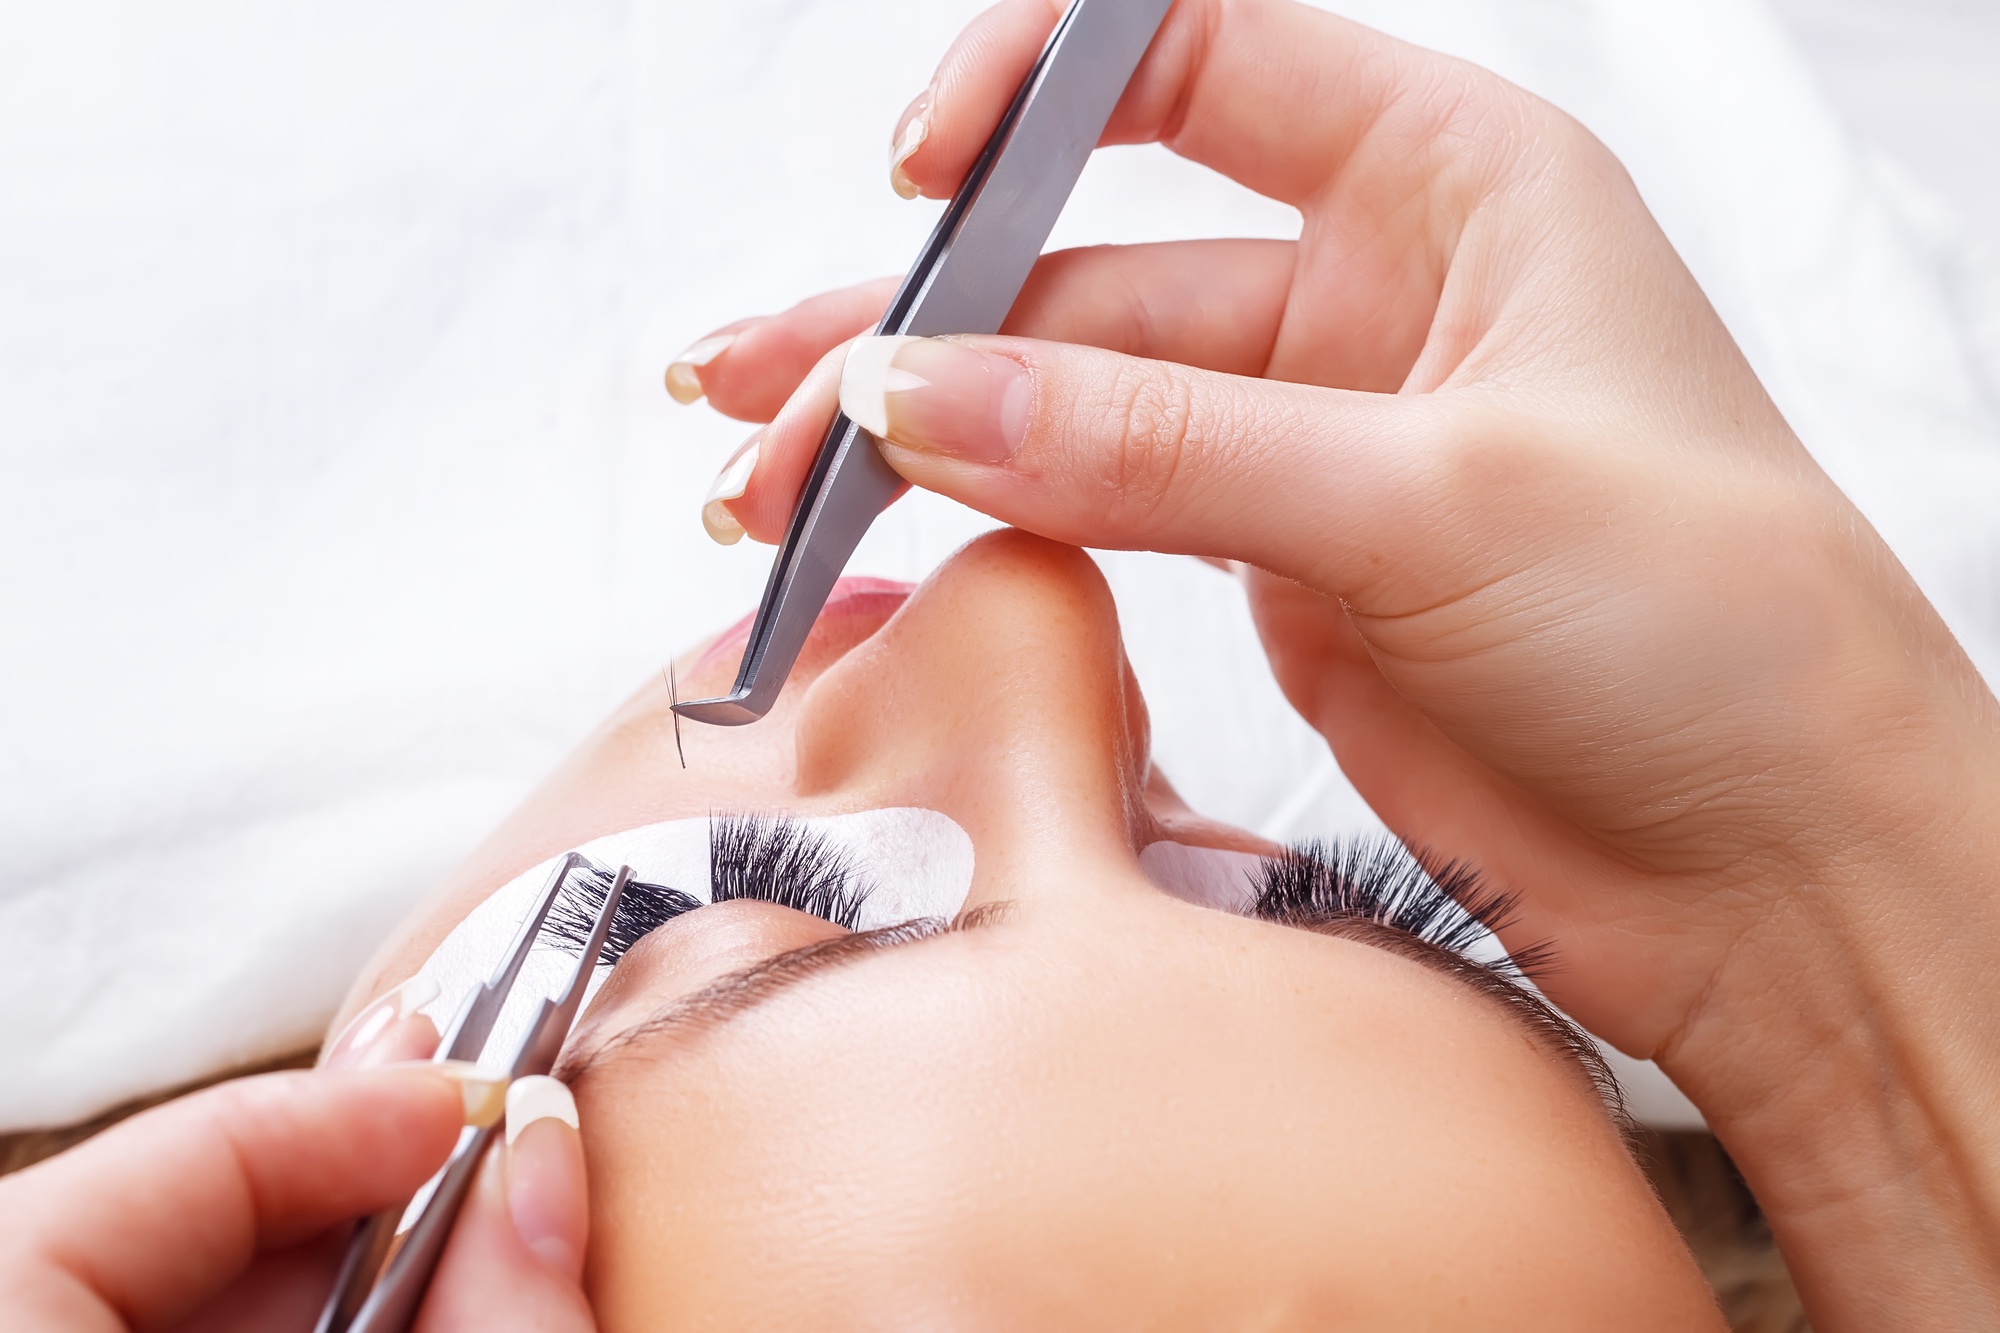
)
(644, 909)
(1378, 879)
(773, 860)
(780, 861)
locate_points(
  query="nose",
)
(999, 694)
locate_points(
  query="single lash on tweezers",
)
(964, 281)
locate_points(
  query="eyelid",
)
(1445, 904)
(1378, 892)
(743, 990)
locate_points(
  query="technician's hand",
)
(228, 1209)
(1540, 559)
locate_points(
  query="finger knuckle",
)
(1153, 407)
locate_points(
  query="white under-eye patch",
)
(917, 863)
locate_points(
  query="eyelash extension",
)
(1377, 886)
(769, 859)
(781, 861)
(643, 910)
(1378, 879)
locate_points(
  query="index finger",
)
(1273, 94)
(154, 1217)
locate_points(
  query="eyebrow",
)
(738, 992)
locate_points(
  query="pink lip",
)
(850, 596)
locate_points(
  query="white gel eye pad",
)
(917, 862)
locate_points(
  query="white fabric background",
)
(342, 497)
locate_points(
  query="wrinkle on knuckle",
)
(1153, 409)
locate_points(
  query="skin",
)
(1100, 1106)
(1530, 546)
(229, 1209)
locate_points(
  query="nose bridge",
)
(999, 695)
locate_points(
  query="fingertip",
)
(910, 136)
(943, 130)
(516, 1256)
(718, 516)
(685, 372)
(768, 471)
(412, 1038)
(546, 1187)
(389, 1029)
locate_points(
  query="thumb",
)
(1094, 448)
(515, 1259)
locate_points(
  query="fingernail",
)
(938, 396)
(730, 483)
(366, 1029)
(545, 1182)
(683, 372)
(907, 143)
(484, 1092)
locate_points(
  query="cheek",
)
(697, 1205)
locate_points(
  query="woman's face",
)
(1089, 1104)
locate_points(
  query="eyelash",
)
(1378, 879)
(766, 858)
(777, 860)
(780, 861)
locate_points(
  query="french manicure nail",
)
(684, 371)
(484, 1093)
(365, 1029)
(937, 396)
(538, 1098)
(730, 483)
(545, 1185)
(907, 143)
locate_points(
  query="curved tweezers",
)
(965, 281)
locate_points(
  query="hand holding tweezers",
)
(964, 281)
(360, 1303)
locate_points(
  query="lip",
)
(851, 596)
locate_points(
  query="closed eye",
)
(766, 858)
(1372, 891)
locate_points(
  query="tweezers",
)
(361, 1303)
(964, 281)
